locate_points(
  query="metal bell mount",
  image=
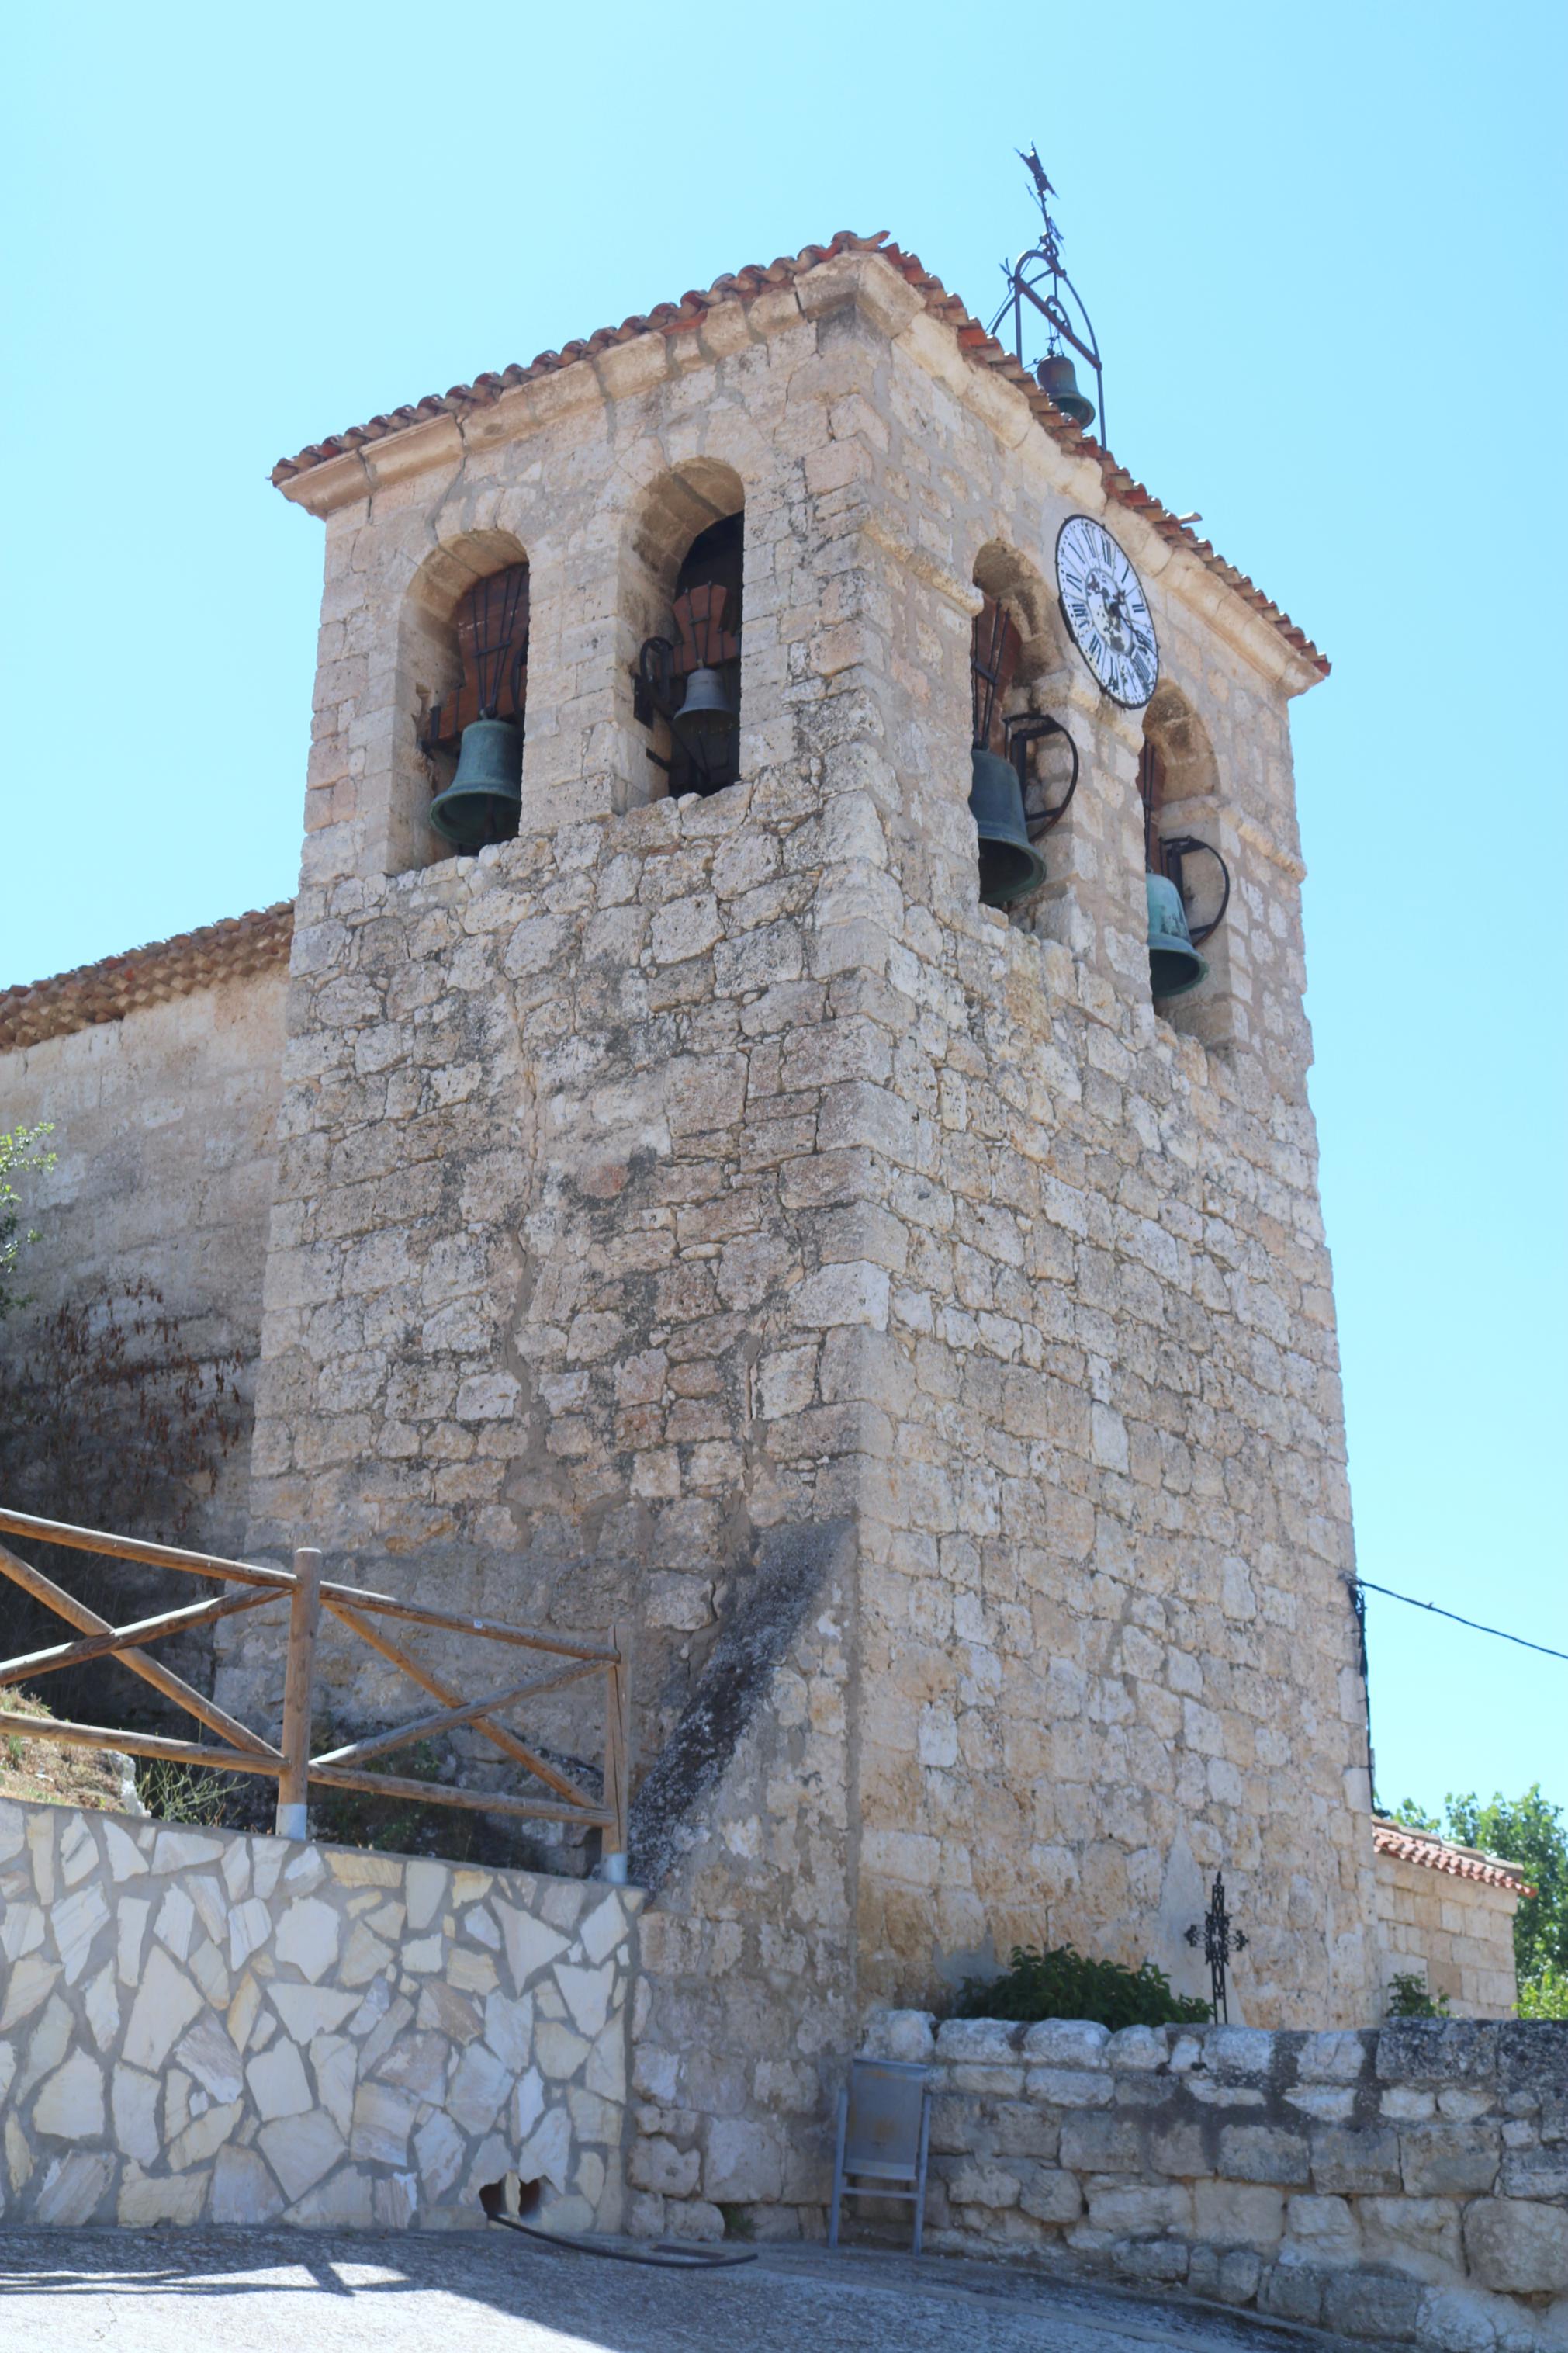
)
(705, 721)
(1174, 964)
(1058, 380)
(483, 801)
(1010, 864)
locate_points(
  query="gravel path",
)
(257, 2292)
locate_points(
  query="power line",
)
(1366, 1582)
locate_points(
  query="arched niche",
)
(684, 585)
(1016, 631)
(1178, 784)
(432, 675)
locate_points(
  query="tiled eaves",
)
(119, 984)
(745, 285)
(1436, 1855)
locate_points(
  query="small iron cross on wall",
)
(1220, 1940)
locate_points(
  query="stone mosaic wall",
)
(1409, 2184)
(200, 2026)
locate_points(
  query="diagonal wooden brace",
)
(162, 1679)
(503, 1739)
(447, 1719)
(127, 1637)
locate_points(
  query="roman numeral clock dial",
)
(1105, 612)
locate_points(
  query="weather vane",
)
(1059, 304)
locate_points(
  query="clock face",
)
(1105, 612)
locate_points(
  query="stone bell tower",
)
(699, 1208)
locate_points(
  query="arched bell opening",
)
(686, 681)
(463, 680)
(1022, 762)
(1186, 882)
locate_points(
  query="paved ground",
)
(315, 2291)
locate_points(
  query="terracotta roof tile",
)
(123, 984)
(745, 285)
(1436, 1855)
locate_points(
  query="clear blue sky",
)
(1324, 249)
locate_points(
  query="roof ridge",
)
(134, 977)
(1436, 1853)
(758, 278)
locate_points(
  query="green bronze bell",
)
(1057, 381)
(1174, 964)
(1010, 865)
(484, 799)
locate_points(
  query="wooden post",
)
(304, 1615)
(617, 1756)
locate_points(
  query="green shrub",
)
(1408, 1998)
(1062, 1983)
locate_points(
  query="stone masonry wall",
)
(705, 1214)
(197, 2026)
(164, 1144)
(1457, 1932)
(1409, 2185)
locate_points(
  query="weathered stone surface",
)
(1514, 2244)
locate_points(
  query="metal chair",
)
(884, 2136)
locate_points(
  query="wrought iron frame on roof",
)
(1024, 277)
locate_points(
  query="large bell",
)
(483, 801)
(1174, 964)
(1009, 863)
(704, 723)
(1057, 379)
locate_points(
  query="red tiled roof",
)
(123, 984)
(745, 285)
(1436, 1855)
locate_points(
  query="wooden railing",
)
(292, 1765)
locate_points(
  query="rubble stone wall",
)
(1457, 1932)
(1408, 2184)
(163, 1142)
(199, 2026)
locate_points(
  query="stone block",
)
(1229, 2275)
(1419, 2235)
(1050, 2195)
(1238, 2214)
(1324, 2231)
(743, 2162)
(1264, 2153)
(904, 2034)
(971, 2183)
(1332, 2058)
(70, 2105)
(1066, 2043)
(1071, 2087)
(1437, 2051)
(1362, 2304)
(1348, 2161)
(1139, 2048)
(978, 2041)
(1135, 2210)
(1102, 2143)
(1441, 2158)
(1238, 2054)
(1517, 2245)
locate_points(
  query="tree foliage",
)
(1528, 1831)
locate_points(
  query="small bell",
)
(1010, 865)
(1174, 964)
(484, 799)
(705, 722)
(1056, 380)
